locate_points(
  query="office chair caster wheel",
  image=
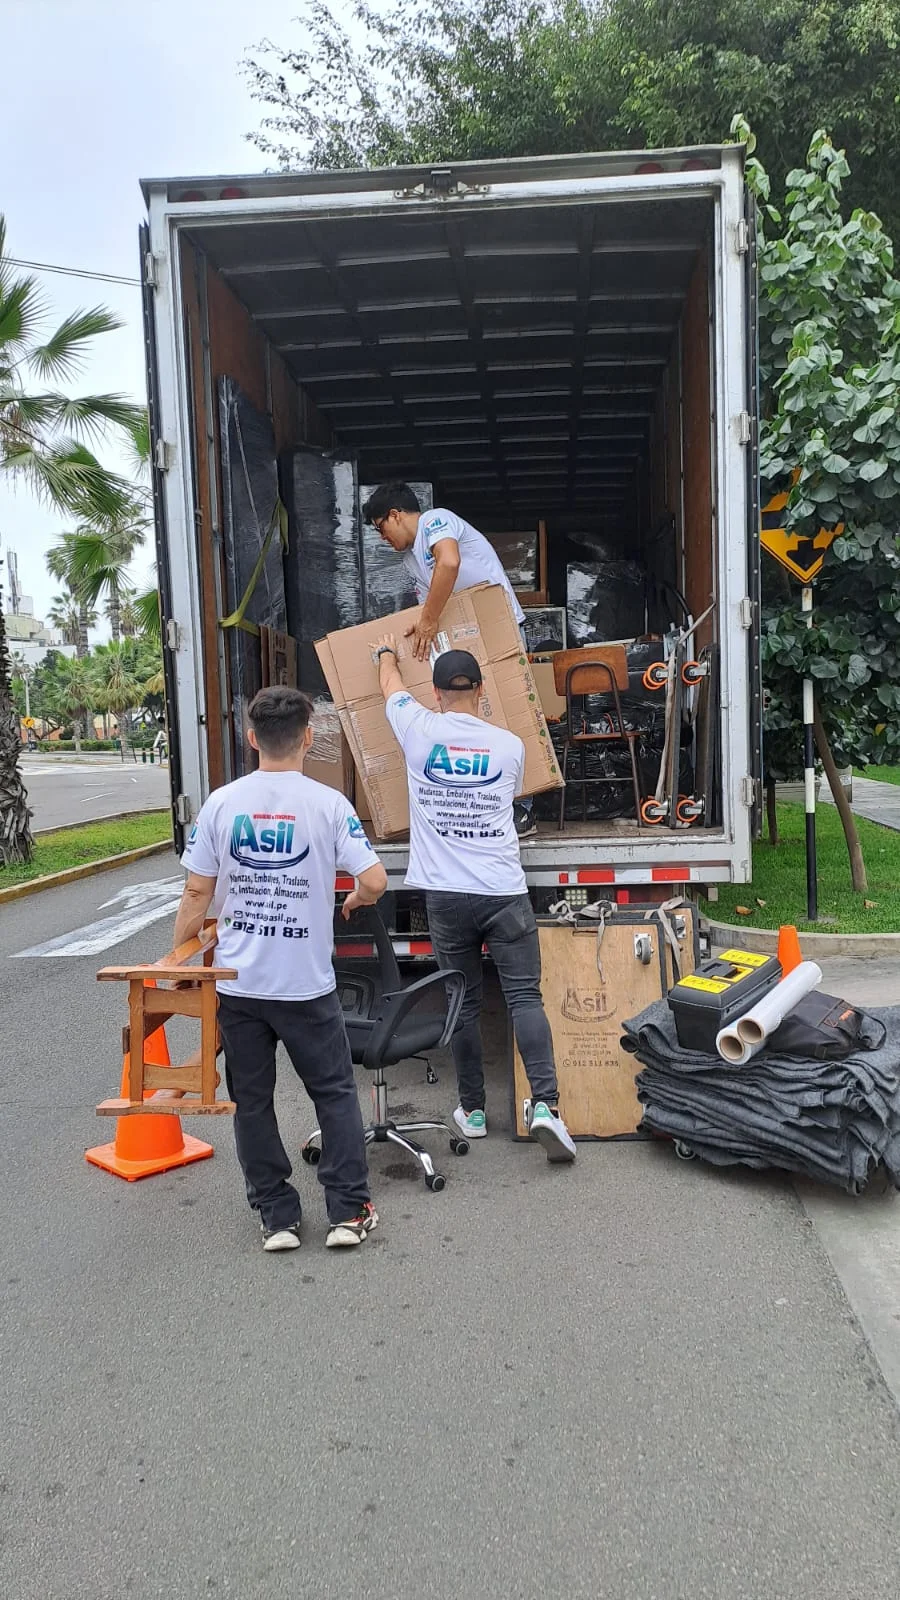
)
(434, 1181)
(460, 1147)
(683, 1151)
(311, 1154)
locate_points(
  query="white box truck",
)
(567, 340)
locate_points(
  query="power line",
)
(74, 272)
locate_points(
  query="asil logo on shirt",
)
(264, 843)
(459, 767)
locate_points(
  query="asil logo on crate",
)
(265, 842)
(460, 767)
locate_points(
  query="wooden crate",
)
(586, 1008)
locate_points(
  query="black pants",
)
(313, 1033)
(459, 925)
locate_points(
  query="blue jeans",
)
(459, 925)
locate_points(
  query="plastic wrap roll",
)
(754, 1028)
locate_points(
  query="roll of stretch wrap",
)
(743, 1038)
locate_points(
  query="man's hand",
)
(389, 679)
(423, 634)
(370, 886)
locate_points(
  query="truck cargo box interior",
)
(524, 364)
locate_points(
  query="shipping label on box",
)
(479, 620)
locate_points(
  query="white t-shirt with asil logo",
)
(274, 841)
(478, 560)
(463, 776)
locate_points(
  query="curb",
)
(765, 940)
(55, 880)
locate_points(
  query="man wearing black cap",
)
(463, 776)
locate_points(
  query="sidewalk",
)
(872, 799)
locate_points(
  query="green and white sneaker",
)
(546, 1126)
(471, 1124)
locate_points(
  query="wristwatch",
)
(385, 650)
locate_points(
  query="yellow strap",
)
(279, 525)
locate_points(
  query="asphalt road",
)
(636, 1379)
(61, 793)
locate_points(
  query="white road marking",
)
(100, 795)
(142, 903)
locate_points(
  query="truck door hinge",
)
(742, 237)
(183, 811)
(745, 612)
(151, 270)
(173, 634)
(745, 427)
(748, 792)
(163, 455)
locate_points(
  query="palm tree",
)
(15, 817)
(120, 687)
(65, 615)
(59, 560)
(102, 552)
(44, 438)
(76, 691)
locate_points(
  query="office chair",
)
(382, 1032)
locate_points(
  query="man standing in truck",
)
(463, 774)
(442, 552)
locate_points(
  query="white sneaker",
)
(471, 1124)
(282, 1238)
(548, 1128)
(345, 1235)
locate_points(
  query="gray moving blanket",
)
(835, 1121)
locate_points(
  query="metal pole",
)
(809, 775)
(27, 692)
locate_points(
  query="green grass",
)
(73, 847)
(880, 774)
(779, 878)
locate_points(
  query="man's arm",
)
(370, 886)
(443, 582)
(195, 902)
(389, 678)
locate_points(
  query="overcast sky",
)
(102, 93)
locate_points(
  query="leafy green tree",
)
(76, 691)
(830, 365)
(100, 557)
(466, 79)
(45, 439)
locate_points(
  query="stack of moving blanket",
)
(835, 1121)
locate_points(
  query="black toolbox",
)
(721, 990)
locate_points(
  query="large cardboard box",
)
(330, 760)
(589, 990)
(553, 704)
(478, 619)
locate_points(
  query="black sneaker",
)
(282, 1238)
(523, 820)
(343, 1235)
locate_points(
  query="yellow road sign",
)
(28, 722)
(800, 554)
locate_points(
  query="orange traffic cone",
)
(788, 949)
(146, 1144)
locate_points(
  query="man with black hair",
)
(442, 552)
(462, 774)
(268, 847)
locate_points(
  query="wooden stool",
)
(188, 1089)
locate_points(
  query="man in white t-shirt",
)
(463, 774)
(265, 851)
(442, 552)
